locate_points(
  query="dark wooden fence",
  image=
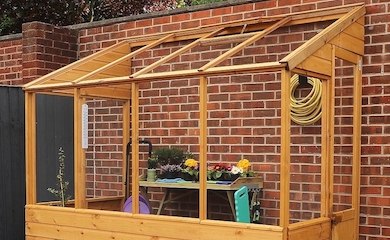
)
(54, 130)
(12, 167)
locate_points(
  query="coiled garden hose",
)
(307, 110)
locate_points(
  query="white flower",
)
(237, 170)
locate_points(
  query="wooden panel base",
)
(48, 222)
(102, 203)
(316, 229)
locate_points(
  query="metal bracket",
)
(360, 65)
(336, 219)
(243, 28)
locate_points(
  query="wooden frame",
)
(106, 75)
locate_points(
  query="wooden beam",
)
(357, 116)
(76, 64)
(331, 117)
(174, 54)
(124, 58)
(79, 153)
(31, 148)
(327, 142)
(203, 149)
(234, 38)
(315, 43)
(116, 92)
(285, 152)
(309, 73)
(135, 146)
(215, 71)
(244, 44)
(106, 92)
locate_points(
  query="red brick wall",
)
(46, 48)
(11, 62)
(40, 49)
(244, 114)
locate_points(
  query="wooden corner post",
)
(31, 149)
(203, 150)
(285, 152)
(327, 140)
(135, 146)
(79, 153)
(357, 121)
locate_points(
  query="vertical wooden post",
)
(203, 149)
(79, 153)
(327, 142)
(31, 149)
(125, 140)
(135, 145)
(357, 115)
(285, 152)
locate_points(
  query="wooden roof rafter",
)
(245, 43)
(124, 58)
(99, 69)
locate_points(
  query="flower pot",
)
(151, 175)
(171, 175)
(233, 177)
(186, 176)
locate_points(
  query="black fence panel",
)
(54, 130)
(12, 163)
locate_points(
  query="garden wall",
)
(169, 110)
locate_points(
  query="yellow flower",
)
(244, 164)
(191, 162)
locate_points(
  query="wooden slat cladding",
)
(53, 223)
(12, 167)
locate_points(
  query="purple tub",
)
(143, 205)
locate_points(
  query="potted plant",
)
(151, 172)
(217, 172)
(170, 171)
(170, 160)
(191, 169)
(169, 155)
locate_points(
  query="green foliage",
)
(5, 24)
(64, 12)
(152, 163)
(62, 184)
(199, 2)
(166, 155)
(13, 13)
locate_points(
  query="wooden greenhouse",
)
(107, 74)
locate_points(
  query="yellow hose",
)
(308, 109)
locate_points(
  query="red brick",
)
(243, 8)
(181, 17)
(201, 14)
(190, 24)
(288, 2)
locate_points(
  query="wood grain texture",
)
(53, 223)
